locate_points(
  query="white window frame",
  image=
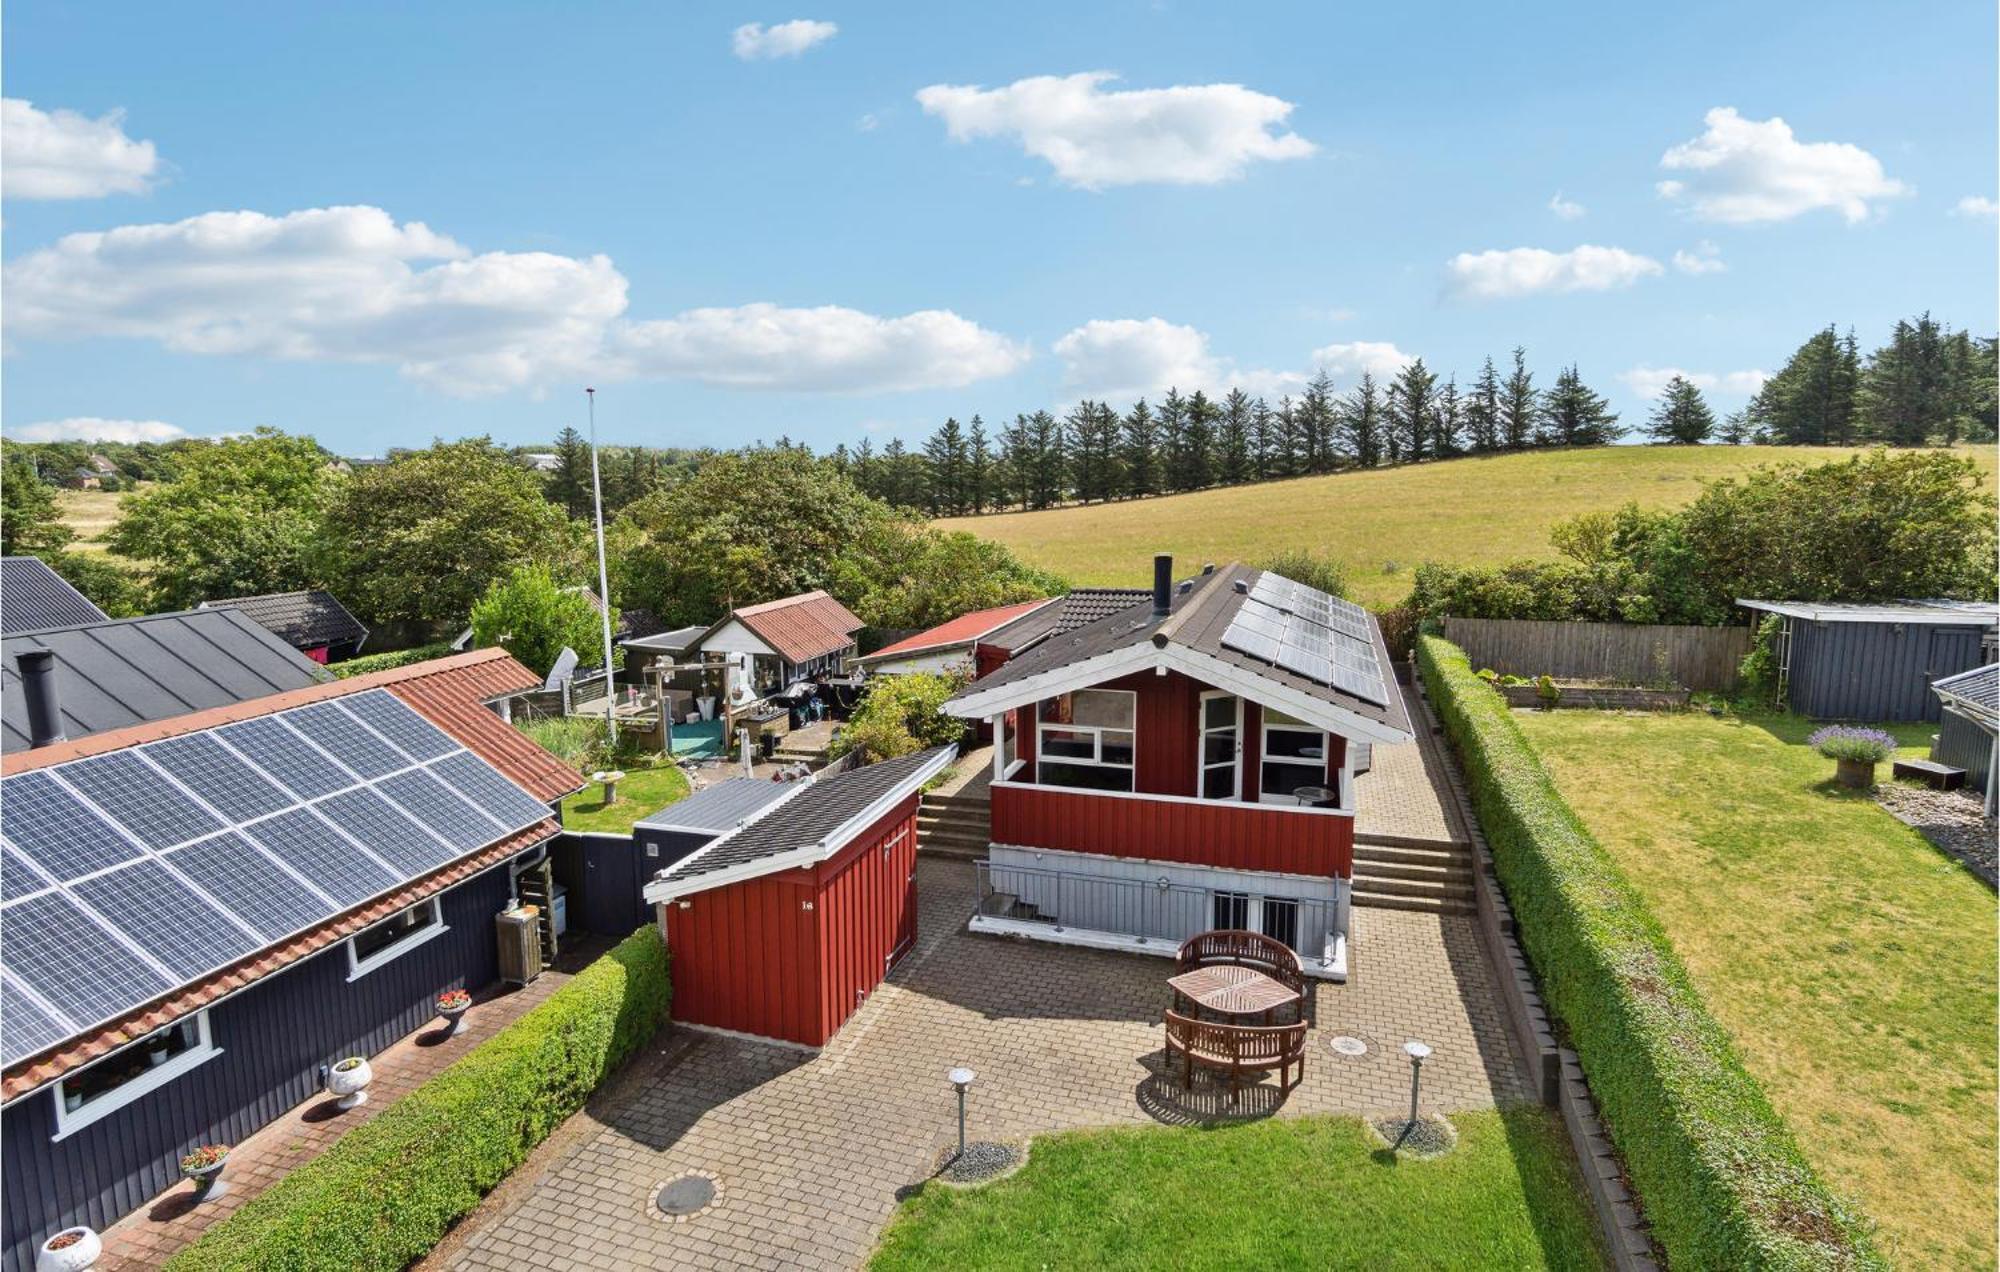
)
(1264, 755)
(359, 966)
(70, 1121)
(1201, 764)
(1097, 732)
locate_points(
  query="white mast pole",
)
(603, 579)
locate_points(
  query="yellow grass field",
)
(1382, 523)
(90, 513)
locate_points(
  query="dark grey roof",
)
(720, 807)
(678, 640)
(1201, 612)
(1938, 611)
(810, 812)
(137, 670)
(303, 620)
(32, 595)
(1978, 689)
(1078, 609)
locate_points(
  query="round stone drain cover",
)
(1346, 1045)
(685, 1195)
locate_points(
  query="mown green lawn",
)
(642, 793)
(1306, 1193)
(1853, 964)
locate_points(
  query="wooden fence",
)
(1700, 658)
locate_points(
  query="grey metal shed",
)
(1875, 662)
(1969, 734)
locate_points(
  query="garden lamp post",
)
(1418, 1053)
(961, 1078)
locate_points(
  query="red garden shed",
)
(783, 926)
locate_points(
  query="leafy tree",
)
(418, 540)
(900, 574)
(1574, 415)
(1139, 447)
(1681, 416)
(106, 584)
(1361, 421)
(535, 618)
(1520, 405)
(31, 521)
(244, 517)
(901, 715)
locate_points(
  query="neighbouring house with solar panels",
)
(313, 622)
(1182, 763)
(200, 912)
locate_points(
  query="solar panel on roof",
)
(165, 918)
(17, 877)
(343, 737)
(381, 711)
(481, 783)
(386, 831)
(243, 877)
(56, 949)
(29, 1028)
(322, 856)
(1310, 633)
(57, 832)
(214, 772)
(464, 826)
(140, 799)
(306, 772)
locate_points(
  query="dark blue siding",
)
(273, 1038)
(615, 871)
(1874, 671)
(1963, 744)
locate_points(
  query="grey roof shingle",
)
(1978, 689)
(33, 596)
(1078, 609)
(303, 620)
(720, 807)
(136, 670)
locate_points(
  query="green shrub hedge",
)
(394, 658)
(1718, 1172)
(388, 1190)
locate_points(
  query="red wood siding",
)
(867, 913)
(1225, 834)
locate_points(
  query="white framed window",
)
(1220, 748)
(393, 937)
(1086, 739)
(131, 1071)
(1294, 755)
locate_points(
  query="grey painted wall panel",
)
(1963, 744)
(1874, 671)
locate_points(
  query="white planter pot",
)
(71, 1258)
(454, 1021)
(351, 1085)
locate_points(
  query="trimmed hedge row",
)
(394, 658)
(1722, 1180)
(388, 1190)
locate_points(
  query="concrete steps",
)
(954, 826)
(1395, 872)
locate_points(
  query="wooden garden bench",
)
(1237, 1049)
(1239, 948)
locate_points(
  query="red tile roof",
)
(963, 630)
(801, 628)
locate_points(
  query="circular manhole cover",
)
(1347, 1045)
(684, 1196)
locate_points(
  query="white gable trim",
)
(978, 704)
(735, 637)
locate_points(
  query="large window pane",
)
(1218, 713)
(1218, 783)
(1283, 779)
(1218, 748)
(1295, 744)
(1102, 708)
(1117, 748)
(1078, 744)
(1089, 777)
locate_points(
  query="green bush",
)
(394, 658)
(1718, 1172)
(385, 1193)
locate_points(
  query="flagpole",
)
(603, 579)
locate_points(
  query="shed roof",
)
(811, 823)
(115, 673)
(675, 641)
(33, 596)
(800, 628)
(1079, 608)
(721, 807)
(304, 620)
(1974, 694)
(963, 630)
(1938, 611)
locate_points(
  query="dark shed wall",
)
(616, 869)
(1875, 671)
(273, 1037)
(1963, 744)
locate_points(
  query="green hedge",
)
(1718, 1172)
(394, 658)
(388, 1190)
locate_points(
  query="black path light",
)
(961, 1078)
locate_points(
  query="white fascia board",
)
(1246, 683)
(977, 704)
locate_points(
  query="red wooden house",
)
(1185, 763)
(782, 926)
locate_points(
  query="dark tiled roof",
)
(33, 596)
(719, 807)
(810, 813)
(113, 674)
(1078, 609)
(1978, 688)
(303, 620)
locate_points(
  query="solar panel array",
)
(1306, 631)
(127, 875)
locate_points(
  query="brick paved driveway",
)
(811, 1150)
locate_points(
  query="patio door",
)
(1221, 754)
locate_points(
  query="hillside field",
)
(1382, 523)
(90, 513)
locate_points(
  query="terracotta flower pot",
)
(1856, 774)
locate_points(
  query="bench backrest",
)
(1244, 949)
(1241, 1042)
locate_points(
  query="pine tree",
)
(1267, 441)
(867, 469)
(1173, 439)
(1392, 437)
(1291, 448)
(1413, 402)
(1318, 431)
(978, 466)
(1681, 417)
(1090, 461)
(569, 484)
(1735, 428)
(1045, 460)
(1235, 447)
(1197, 469)
(1017, 461)
(1482, 411)
(1520, 405)
(1448, 422)
(1361, 421)
(1908, 391)
(1139, 446)
(1574, 415)
(1812, 399)
(944, 456)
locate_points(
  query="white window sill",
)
(359, 968)
(70, 1122)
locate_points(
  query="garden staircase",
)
(1398, 872)
(956, 826)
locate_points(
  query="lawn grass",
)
(643, 792)
(1382, 523)
(1852, 963)
(1306, 1193)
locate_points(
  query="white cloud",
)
(1380, 358)
(1566, 209)
(827, 349)
(351, 285)
(1119, 359)
(1196, 134)
(753, 41)
(1652, 381)
(1977, 206)
(91, 428)
(867, 123)
(1522, 271)
(1748, 170)
(1706, 258)
(63, 155)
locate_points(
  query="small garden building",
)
(1875, 662)
(1968, 735)
(313, 622)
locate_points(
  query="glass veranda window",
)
(1086, 739)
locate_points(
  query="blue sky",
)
(381, 223)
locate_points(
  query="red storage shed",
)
(783, 926)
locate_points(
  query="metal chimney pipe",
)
(1163, 585)
(38, 686)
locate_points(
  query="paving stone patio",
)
(811, 1150)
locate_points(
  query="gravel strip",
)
(982, 1160)
(1953, 821)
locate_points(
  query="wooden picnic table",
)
(1233, 991)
